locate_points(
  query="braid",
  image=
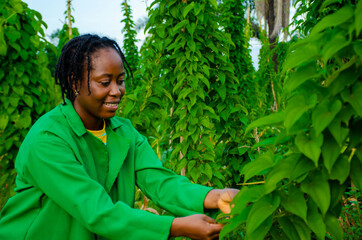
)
(71, 63)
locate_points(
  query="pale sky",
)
(101, 17)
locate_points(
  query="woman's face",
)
(106, 83)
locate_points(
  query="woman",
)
(78, 165)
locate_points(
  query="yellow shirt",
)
(101, 134)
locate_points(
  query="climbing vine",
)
(317, 154)
(25, 82)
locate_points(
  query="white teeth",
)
(112, 104)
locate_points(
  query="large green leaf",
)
(296, 107)
(310, 145)
(354, 97)
(294, 202)
(340, 170)
(330, 151)
(235, 222)
(258, 166)
(280, 171)
(297, 78)
(333, 20)
(333, 226)
(324, 113)
(267, 120)
(301, 55)
(261, 210)
(302, 168)
(188, 8)
(262, 230)
(288, 228)
(358, 16)
(315, 220)
(316, 186)
(338, 131)
(338, 42)
(356, 170)
(246, 196)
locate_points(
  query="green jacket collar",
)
(75, 122)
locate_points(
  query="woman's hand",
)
(197, 226)
(220, 198)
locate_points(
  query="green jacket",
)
(71, 186)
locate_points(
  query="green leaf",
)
(294, 202)
(354, 97)
(330, 151)
(288, 227)
(235, 222)
(310, 145)
(316, 186)
(315, 220)
(333, 20)
(356, 170)
(262, 229)
(213, 3)
(222, 92)
(28, 100)
(296, 107)
(334, 45)
(303, 230)
(300, 55)
(339, 132)
(324, 113)
(4, 119)
(260, 211)
(3, 45)
(340, 170)
(280, 171)
(302, 168)
(303, 74)
(358, 16)
(188, 8)
(245, 196)
(208, 171)
(333, 227)
(267, 120)
(258, 166)
(19, 90)
(160, 30)
(180, 25)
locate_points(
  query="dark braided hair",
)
(75, 56)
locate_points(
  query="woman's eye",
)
(105, 83)
(121, 81)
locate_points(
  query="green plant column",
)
(234, 119)
(129, 44)
(318, 151)
(265, 78)
(25, 83)
(67, 32)
(198, 80)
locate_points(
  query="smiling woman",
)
(78, 166)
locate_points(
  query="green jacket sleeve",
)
(168, 190)
(52, 167)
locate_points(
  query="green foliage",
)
(316, 154)
(265, 77)
(25, 82)
(129, 45)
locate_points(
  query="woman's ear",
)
(75, 87)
